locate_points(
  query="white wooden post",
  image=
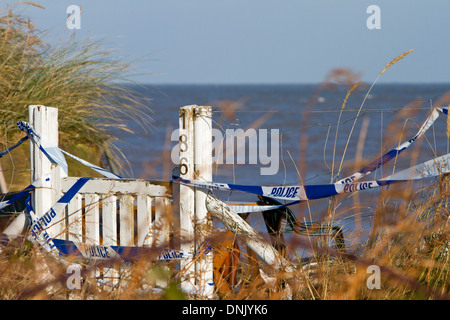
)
(187, 195)
(203, 171)
(44, 120)
(195, 163)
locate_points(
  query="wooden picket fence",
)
(129, 212)
(143, 213)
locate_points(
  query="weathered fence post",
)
(203, 171)
(44, 120)
(187, 195)
(195, 163)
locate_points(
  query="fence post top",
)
(33, 106)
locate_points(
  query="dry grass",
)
(410, 246)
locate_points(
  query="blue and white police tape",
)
(52, 152)
(19, 195)
(8, 150)
(396, 151)
(298, 193)
(24, 192)
(55, 154)
(39, 234)
(100, 170)
(40, 225)
(248, 208)
(96, 252)
(66, 250)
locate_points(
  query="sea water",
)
(319, 142)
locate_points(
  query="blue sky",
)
(260, 41)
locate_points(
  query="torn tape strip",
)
(388, 156)
(17, 197)
(6, 151)
(55, 154)
(38, 230)
(102, 171)
(37, 183)
(52, 152)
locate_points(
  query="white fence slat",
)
(162, 230)
(109, 220)
(144, 220)
(92, 218)
(75, 219)
(109, 234)
(126, 214)
(112, 186)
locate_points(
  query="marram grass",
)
(78, 77)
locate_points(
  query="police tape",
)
(38, 233)
(96, 252)
(62, 249)
(8, 150)
(38, 230)
(293, 193)
(56, 155)
(26, 191)
(68, 250)
(298, 193)
(388, 156)
(16, 197)
(52, 152)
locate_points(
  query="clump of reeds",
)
(79, 78)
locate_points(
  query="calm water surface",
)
(388, 111)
